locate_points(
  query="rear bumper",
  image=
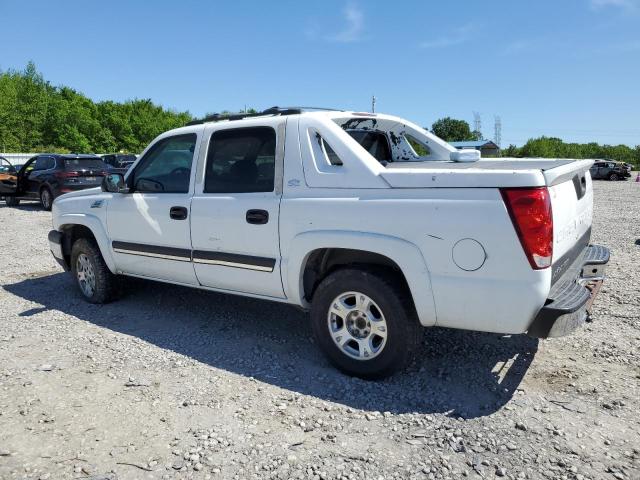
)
(569, 303)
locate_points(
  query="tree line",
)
(36, 117)
(453, 130)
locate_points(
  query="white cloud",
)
(456, 37)
(354, 28)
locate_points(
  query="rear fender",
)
(405, 254)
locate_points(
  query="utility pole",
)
(497, 130)
(373, 104)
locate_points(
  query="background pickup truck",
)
(369, 221)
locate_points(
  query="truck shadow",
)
(464, 374)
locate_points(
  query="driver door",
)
(8, 178)
(149, 227)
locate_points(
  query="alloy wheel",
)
(357, 325)
(86, 275)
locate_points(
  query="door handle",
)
(257, 217)
(178, 213)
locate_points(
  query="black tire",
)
(46, 199)
(12, 201)
(104, 284)
(403, 331)
(613, 177)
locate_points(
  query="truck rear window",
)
(375, 143)
(84, 164)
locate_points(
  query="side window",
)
(5, 166)
(241, 160)
(44, 163)
(166, 168)
(330, 156)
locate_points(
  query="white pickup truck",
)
(369, 221)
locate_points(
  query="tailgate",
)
(571, 195)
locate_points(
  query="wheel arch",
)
(85, 226)
(313, 255)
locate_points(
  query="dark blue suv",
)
(49, 175)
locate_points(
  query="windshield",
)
(84, 164)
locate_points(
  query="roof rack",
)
(273, 111)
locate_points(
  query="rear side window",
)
(45, 163)
(375, 143)
(241, 160)
(166, 167)
(83, 164)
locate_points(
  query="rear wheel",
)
(46, 198)
(365, 322)
(12, 201)
(613, 176)
(94, 279)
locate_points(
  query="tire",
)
(613, 177)
(92, 276)
(12, 201)
(390, 306)
(46, 199)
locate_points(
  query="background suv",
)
(609, 170)
(47, 176)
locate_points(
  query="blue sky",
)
(567, 68)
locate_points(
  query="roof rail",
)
(273, 111)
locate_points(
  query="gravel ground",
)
(176, 383)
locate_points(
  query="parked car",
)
(609, 170)
(288, 205)
(119, 162)
(47, 176)
(7, 176)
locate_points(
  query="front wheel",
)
(94, 279)
(365, 322)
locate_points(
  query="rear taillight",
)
(67, 177)
(66, 174)
(530, 212)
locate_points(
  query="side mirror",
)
(114, 183)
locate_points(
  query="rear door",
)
(33, 178)
(234, 213)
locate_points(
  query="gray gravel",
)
(176, 383)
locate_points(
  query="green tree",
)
(453, 130)
(35, 117)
